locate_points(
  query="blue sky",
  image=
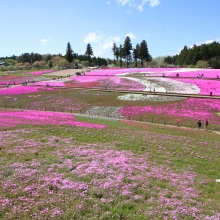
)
(46, 26)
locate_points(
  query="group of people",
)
(200, 124)
(199, 76)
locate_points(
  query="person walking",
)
(206, 124)
(199, 125)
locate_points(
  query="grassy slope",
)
(143, 159)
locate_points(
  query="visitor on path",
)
(206, 124)
(210, 93)
(199, 125)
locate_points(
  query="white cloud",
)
(108, 3)
(151, 2)
(211, 41)
(93, 37)
(45, 42)
(139, 4)
(124, 2)
(131, 35)
(106, 46)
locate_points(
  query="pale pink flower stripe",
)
(105, 73)
(206, 86)
(14, 118)
(192, 108)
(58, 84)
(112, 72)
(113, 82)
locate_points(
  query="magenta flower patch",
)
(18, 90)
(206, 86)
(191, 108)
(14, 118)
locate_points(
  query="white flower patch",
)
(105, 111)
(152, 98)
(150, 86)
(161, 85)
(174, 86)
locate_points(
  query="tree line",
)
(123, 52)
(204, 55)
(69, 60)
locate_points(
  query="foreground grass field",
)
(122, 170)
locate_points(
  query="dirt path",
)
(71, 72)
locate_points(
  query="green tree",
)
(127, 47)
(50, 64)
(121, 54)
(89, 52)
(69, 53)
(114, 50)
(143, 53)
(135, 54)
(182, 56)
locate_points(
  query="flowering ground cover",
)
(197, 109)
(20, 90)
(125, 171)
(91, 85)
(194, 73)
(119, 105)
(119, 71)
(50, 83)
(206, 86)
(14, 118)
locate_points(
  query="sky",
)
(46, 26)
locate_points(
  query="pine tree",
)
(115, 50)
(89, 52)
(127, 47)
(143, 53)
(69, 53)
(135, 54)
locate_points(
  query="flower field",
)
(59, 159)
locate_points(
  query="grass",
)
(129, 170)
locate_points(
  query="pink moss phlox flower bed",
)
(82, 84)
(115, 71)
(18, 90)
(192, 108)
(14, 118)
(206, 86)
(88, 78)
(112, 81)
(207, 73)
(56, 84)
